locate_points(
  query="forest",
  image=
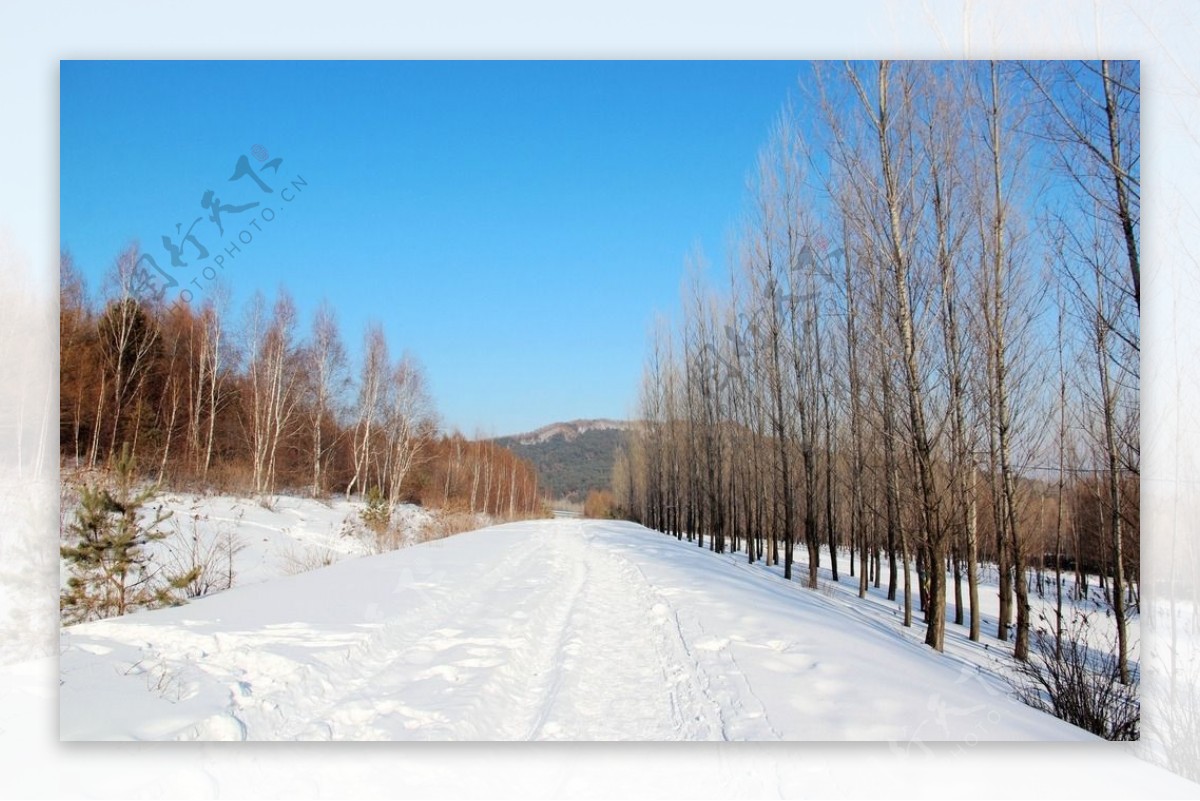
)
(207, 400)
(924, 354)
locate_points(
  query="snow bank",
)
(251, 541)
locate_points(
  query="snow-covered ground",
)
(554, 629)
(989, 654)
(286, 535)
(242, 541)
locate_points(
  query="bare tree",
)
(372, 378)
(1110, 391)
(1092, 112)
(997, 248)
(893, 132)
(325, 367)
(408, 426)
(944, 136)
(215, 361)
(273, 376)
(129, 338)
(774, 244)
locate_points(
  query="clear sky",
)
(514, 225)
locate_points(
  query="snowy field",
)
(541, 630)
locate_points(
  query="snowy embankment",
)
(556, 629)
(240, 541)
(283, 536)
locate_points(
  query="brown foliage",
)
(175, 382)
(600, 504)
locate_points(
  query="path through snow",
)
(543, 630)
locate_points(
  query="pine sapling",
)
(113, 572)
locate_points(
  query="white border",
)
(34, 36)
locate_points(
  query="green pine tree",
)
(377, 514)
(112, 572)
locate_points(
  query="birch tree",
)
(128, 339)
(408, 426)
(325, 368)
(273, 379)
(372, 377)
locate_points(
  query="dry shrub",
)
(229, 478)
(448, 524)
(1080, 682)
(297, 559)
(599, 505)
(207, 559)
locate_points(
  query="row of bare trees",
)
(478, 475)
(258, 407)
(925, 354)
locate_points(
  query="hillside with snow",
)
(568, 431)
(539, 630)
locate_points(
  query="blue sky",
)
(514, 225)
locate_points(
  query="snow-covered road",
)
(543, 630)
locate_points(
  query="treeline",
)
(257, 405)
(926, 350)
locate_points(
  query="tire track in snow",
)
(622, 673)
(553, 665)
(561, 639)
(688, 663)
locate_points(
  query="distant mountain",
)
(571, 458)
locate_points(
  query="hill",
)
(573, 457)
